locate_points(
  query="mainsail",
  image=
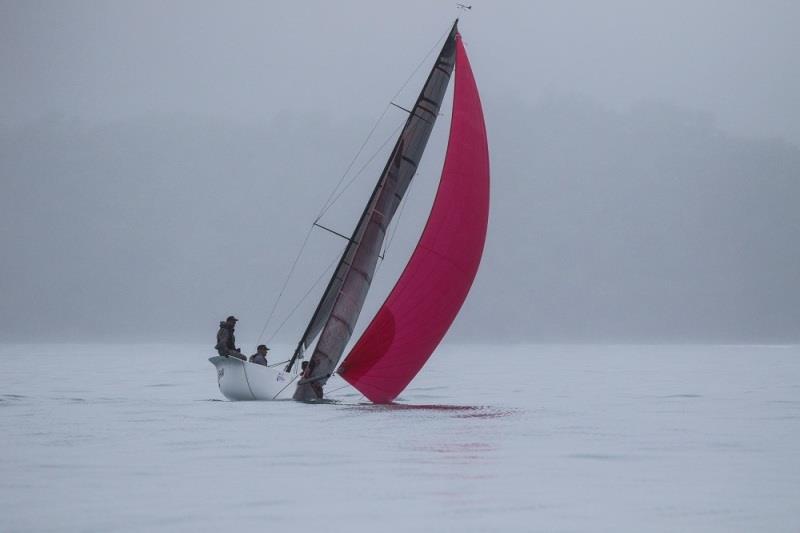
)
(435, 283)
(341, 303)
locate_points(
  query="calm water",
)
(522, 438)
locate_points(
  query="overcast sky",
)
(737, 60)
(162, 161)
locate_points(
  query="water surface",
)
(487, 438)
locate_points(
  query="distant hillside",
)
(647, 225)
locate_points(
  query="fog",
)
(161, 165)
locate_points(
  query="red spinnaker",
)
(435, 283)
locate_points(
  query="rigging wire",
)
(285, 283)
(338, 388)
(303, 299)
(326, 206)
(363, 168)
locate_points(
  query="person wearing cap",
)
(226, 341)
(260, 357)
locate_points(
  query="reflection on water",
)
(461, 439)
(455, 411)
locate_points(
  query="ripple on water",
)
(600, 456)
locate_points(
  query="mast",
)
(338, 310)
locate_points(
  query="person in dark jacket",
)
(226, 341)
(260, 357)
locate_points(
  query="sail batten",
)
(432, 288)
(344, 297)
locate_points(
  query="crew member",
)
(226, 341)
(260, 357)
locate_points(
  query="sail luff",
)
(341, 305)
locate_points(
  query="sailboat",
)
(434, 283)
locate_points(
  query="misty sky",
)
(162, 162)
(96, 60)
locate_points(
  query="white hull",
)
(242, 381)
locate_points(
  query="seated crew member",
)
(226, 341)
(260, 357)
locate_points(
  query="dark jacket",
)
(258, 359)
(226, 341)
